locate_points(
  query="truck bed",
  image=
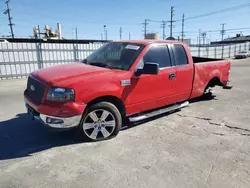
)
(207, 69)
(204, 59)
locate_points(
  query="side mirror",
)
(150, 68)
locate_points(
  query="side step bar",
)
(158, 112)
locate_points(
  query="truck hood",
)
(67, 74)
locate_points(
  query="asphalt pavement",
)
(203, 145)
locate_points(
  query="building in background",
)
(152, 36)
(232, 40)
(187, 41)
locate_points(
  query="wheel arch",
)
(215, 81)
(112, 99)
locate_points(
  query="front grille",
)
(35, 89)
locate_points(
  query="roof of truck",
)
(147, 42)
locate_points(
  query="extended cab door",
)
(184, 72)
(147, 92)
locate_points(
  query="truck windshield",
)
(115, 55)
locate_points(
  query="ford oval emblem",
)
(32, 88)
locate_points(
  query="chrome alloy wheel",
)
(99, 124)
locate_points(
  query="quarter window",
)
(180, 55)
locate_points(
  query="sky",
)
(89, 16)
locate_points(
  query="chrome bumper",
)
(62, 123)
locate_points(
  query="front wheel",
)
(100, 121)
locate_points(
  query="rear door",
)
(184, 72)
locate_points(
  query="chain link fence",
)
(19, 59)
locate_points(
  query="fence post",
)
(215, 53)
(234, 49)
(222, 51)
(229, 50)
(207, 51)
(75, 51)
(39, 55)
(199, 51)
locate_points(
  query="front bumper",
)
(52, 121)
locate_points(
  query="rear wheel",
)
(100, 121)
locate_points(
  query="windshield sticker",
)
(132, 47)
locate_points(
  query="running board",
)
(158, 112)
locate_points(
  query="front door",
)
(147, 92)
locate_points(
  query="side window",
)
(180, 55)
(158, 54)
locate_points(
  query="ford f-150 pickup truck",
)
(121, 80)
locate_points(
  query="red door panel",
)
(147, 92)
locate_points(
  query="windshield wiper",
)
(100, 64)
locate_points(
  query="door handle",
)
(171, 76)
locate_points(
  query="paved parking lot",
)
(204, 145)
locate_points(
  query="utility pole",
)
(120, 31)
(129, 36)
(223, 31)
(163, 26)
(105, 32)
(203, 34)
(182, 27)
(199, 37)
(9, 18)
(171, 21)
(76, 33)
(39, 32)
(145, 27)
(199, 50)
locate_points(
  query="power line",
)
(7, 11)
(156, 21)
(182, 27)
(218, 11)
(145, 25)
(218, 30)
(171, 21)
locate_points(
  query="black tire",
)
(105, 106)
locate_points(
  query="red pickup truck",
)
(121, 80)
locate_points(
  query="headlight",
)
(61, 94)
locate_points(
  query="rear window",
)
(180, 55)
